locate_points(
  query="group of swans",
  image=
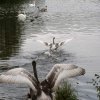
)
(54, 46)
(22, 16)
(41, 90)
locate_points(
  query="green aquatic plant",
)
(96, 84)
(65, 92)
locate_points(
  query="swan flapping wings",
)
(54, 77)
(54, 45)
(48, 85)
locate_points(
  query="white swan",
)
(22, 17)
(54, 46)
(32, 4)
(41, 90)
(35, 14)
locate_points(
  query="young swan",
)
(54, 45)
(41, 90)
(43, 9)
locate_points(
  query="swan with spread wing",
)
(41, 90)
(54, 45)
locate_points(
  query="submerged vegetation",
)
(65, 92)
(96, 84)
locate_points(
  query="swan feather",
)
(45, 43)
(19, 75)
(62, 71)
(64, 42)
(22, 17)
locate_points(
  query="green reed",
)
(65, 92)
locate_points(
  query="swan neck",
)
(35, 70)
(53, 40)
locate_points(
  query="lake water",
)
(77, 19)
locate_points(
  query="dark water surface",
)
(64, 19)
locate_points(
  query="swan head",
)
(34, 63)
(53, 40)
(38, 7)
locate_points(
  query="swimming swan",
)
(44, 9)
(32, 4)
(22, 17)
(54, 46)
(41, 90)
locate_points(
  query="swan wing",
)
(64, 42)
(45, 43)
(62, 71)
(19, 75)
(23, 72)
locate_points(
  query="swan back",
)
(22, 17)
(43, 96)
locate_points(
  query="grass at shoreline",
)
(66, 92)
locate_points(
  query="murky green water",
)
(79, 19)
